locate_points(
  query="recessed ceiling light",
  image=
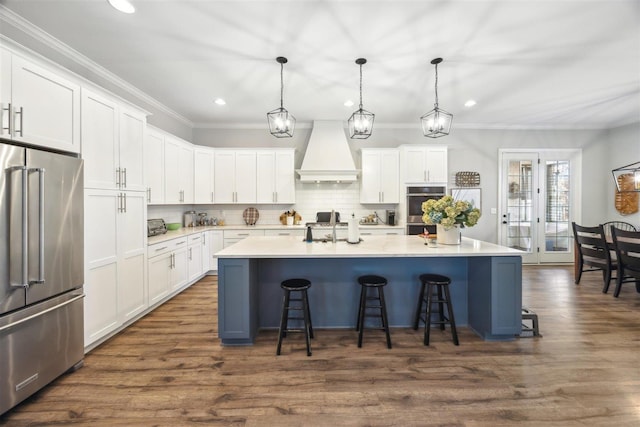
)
(470, 103)
(123, 6)
(220, 101)
(348, 103)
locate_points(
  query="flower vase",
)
(448, 235)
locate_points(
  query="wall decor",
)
(467, 179)
(626, 200)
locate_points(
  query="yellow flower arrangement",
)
(448, 212)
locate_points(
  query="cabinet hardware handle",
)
(20, 112)
(118, 177)
(161, 249)
(190, 254)
(8, 110)
(149, 195)
(212, 197)
(124, 181)
(124, 197)
(243, 234)
(180, 243)
(173, 260)
(196, 238)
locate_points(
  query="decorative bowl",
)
(174, 226)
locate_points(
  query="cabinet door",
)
(216, 244)
(50, 107)
(101, 263)
(285, 185)
(203, 164)
(99, 141)
(5, 91)
(159, 277)
(194, 260)
(132, 298)
(185, 170)
(265, 177)
(370, 184)
(172, 181)
(180, 270)
(390, 176)
(436, 164)
(224, 171)
(415, 167)
(154, 167)
(132, 125)
(245, 177)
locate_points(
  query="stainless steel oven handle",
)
(40, 313)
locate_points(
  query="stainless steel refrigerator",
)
(41, 269)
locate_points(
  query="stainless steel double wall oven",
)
(415, 197)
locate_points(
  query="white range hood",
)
(328, 156)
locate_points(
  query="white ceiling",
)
(531, 64)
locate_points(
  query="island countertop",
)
(385, 246)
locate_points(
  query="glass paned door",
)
(538, 203)
(519, 204)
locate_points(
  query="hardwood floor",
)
(169, 369)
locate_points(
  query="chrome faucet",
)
(332, 223)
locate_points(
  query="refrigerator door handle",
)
(40, 313)
(40, 279)
(25, 233)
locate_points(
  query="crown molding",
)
(41, 36)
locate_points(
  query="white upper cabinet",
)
(235, 176)
(275, 176)
(112, 143)
(154, 166)
(178, 169)
(39, 105)
(425, 164)
(203, 165)
(380, 176)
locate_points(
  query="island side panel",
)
(334, 293)
(237, 300)
(495, 297)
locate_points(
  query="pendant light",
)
(281, 123)
(361, 121)
(437, 122)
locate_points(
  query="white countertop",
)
(186, 231)
(370, 247)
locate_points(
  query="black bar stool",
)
(378, 283)
(441, 284)
(295, 285)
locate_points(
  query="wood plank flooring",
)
(169, 369)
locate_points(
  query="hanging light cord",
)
(361, 86)
(282, 84)
(436, 104)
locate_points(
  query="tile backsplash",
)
(310, 198)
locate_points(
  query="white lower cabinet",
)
(115, 251)
(234, 236)
(194, 256)
(382, 231)
(167, 268)
(215, 243)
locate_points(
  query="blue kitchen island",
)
(486, 286)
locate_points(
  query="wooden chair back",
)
(627, 245)
(592, 245)
(620, 225)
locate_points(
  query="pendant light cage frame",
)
(361, 121)
(281, 123)
(437, 122)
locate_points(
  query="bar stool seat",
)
(439, 284)
(368, 282)
(301, 286)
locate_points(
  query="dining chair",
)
(593, 252)
(621, 225)
(627, 246)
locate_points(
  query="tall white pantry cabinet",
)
(115, 213)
